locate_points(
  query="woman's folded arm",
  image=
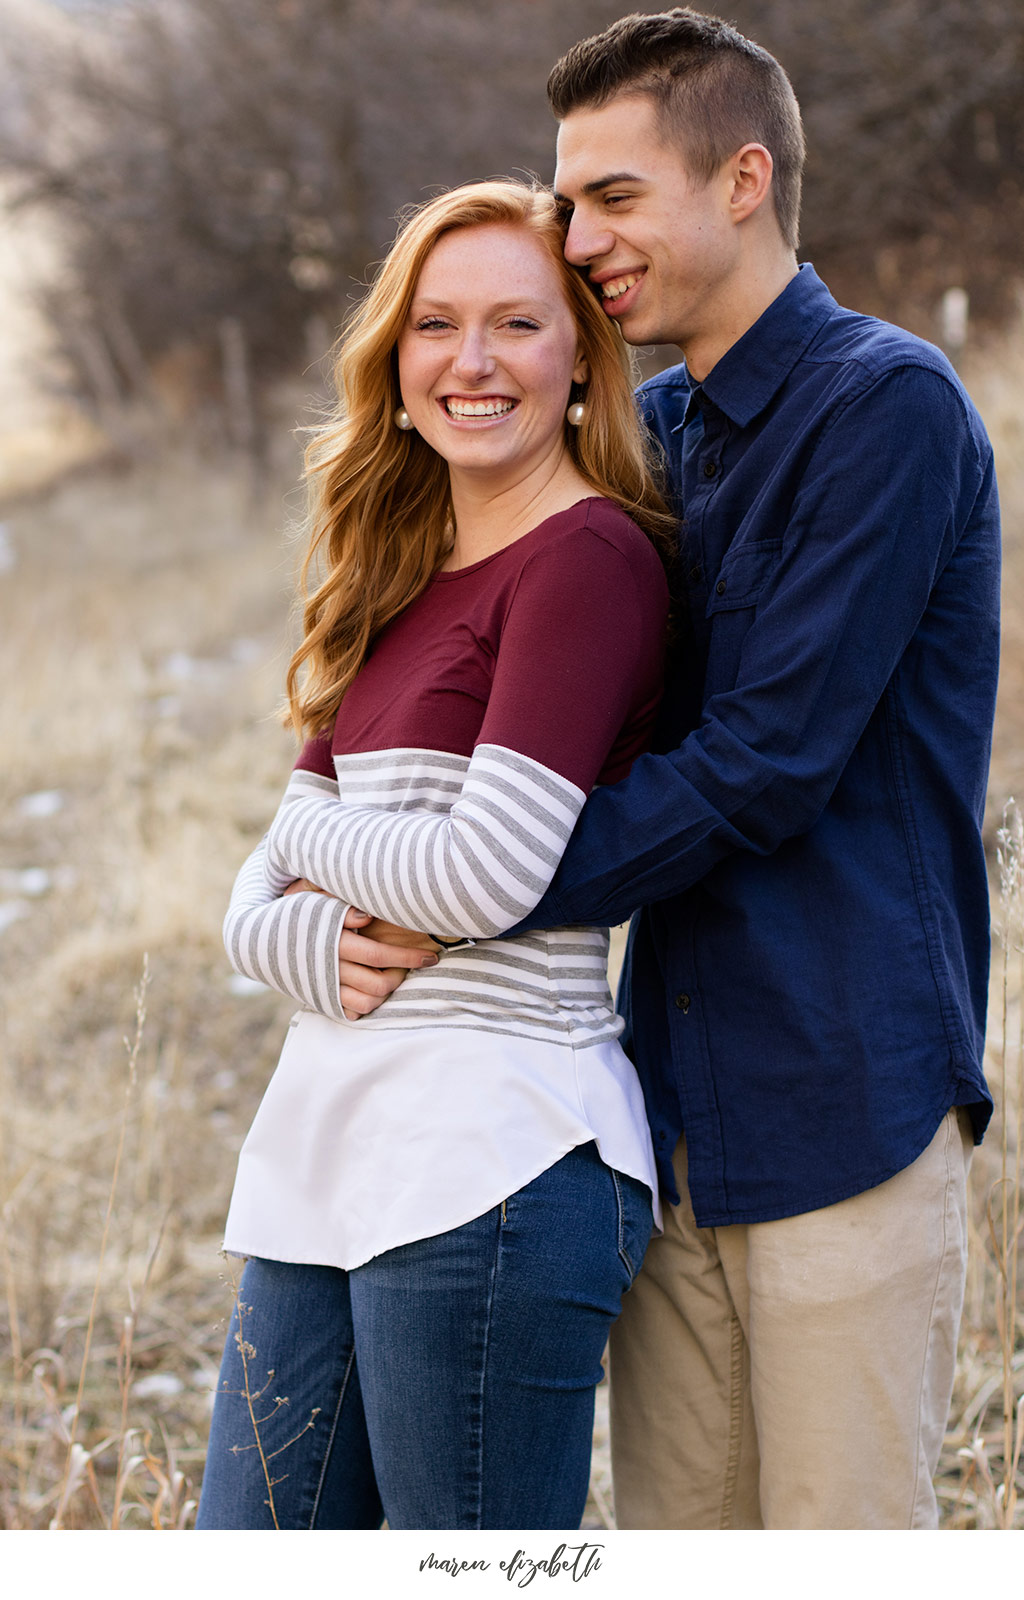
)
(289, 942)
(471, 872)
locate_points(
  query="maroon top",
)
(552, 647)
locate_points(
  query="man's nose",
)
(587, 240)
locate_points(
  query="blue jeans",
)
(446, 1384)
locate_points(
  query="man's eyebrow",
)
(598, 184)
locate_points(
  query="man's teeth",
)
(478, 408)
(617, 286)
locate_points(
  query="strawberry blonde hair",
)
(379, 517)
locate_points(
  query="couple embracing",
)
(725, 668)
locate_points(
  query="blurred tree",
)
(224, 170)
(914, 111)
(199, 160)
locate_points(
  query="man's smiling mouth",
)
(618, 286)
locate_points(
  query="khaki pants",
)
(795, 1374)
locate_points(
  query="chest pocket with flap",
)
(744, 573)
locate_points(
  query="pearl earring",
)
(576, 412)
(403, 419)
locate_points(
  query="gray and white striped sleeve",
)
(473, 871)
(288, 942)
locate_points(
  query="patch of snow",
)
(157, 1386)
(180, 665)
(44, 803)
(12, 911)
(31, 881)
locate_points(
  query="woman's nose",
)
(473, 360)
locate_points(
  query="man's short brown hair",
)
(713, 89)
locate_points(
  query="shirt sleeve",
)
(289, 942)
(893, 483)
(580, 643)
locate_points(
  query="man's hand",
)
(374, 957)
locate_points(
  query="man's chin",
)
(635, 331)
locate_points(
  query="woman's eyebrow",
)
(519, 303)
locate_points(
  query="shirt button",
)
(695, 573)
(720, 586)
(710, 468)
(683, 1002)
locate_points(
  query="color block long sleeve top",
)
(443, 799)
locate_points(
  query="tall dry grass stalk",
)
(1006, 1198)
(980, 1483)
(132, 1048)
(259, 1396)
(161, 1495)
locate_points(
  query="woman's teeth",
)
(617, 286)
(478, 408)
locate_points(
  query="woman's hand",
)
(374, 956)
(391, 933)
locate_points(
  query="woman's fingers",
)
(364, 954)
(370, 970)
(354, 918)
(369, 990)
(404, 938)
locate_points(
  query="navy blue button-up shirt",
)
(805, 984)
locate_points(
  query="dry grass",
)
(981, 1483)
(142, 646)
(142, 642)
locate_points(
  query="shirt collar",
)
(750, 373)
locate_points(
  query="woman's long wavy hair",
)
(379, 518)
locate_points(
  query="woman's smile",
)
(473, 408)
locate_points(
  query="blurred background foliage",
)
(224, 171)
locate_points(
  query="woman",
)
(443, 1203)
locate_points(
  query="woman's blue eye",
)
(427, 323)
(522, 322)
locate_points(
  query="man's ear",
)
(750, 170)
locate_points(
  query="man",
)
(805, 985)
